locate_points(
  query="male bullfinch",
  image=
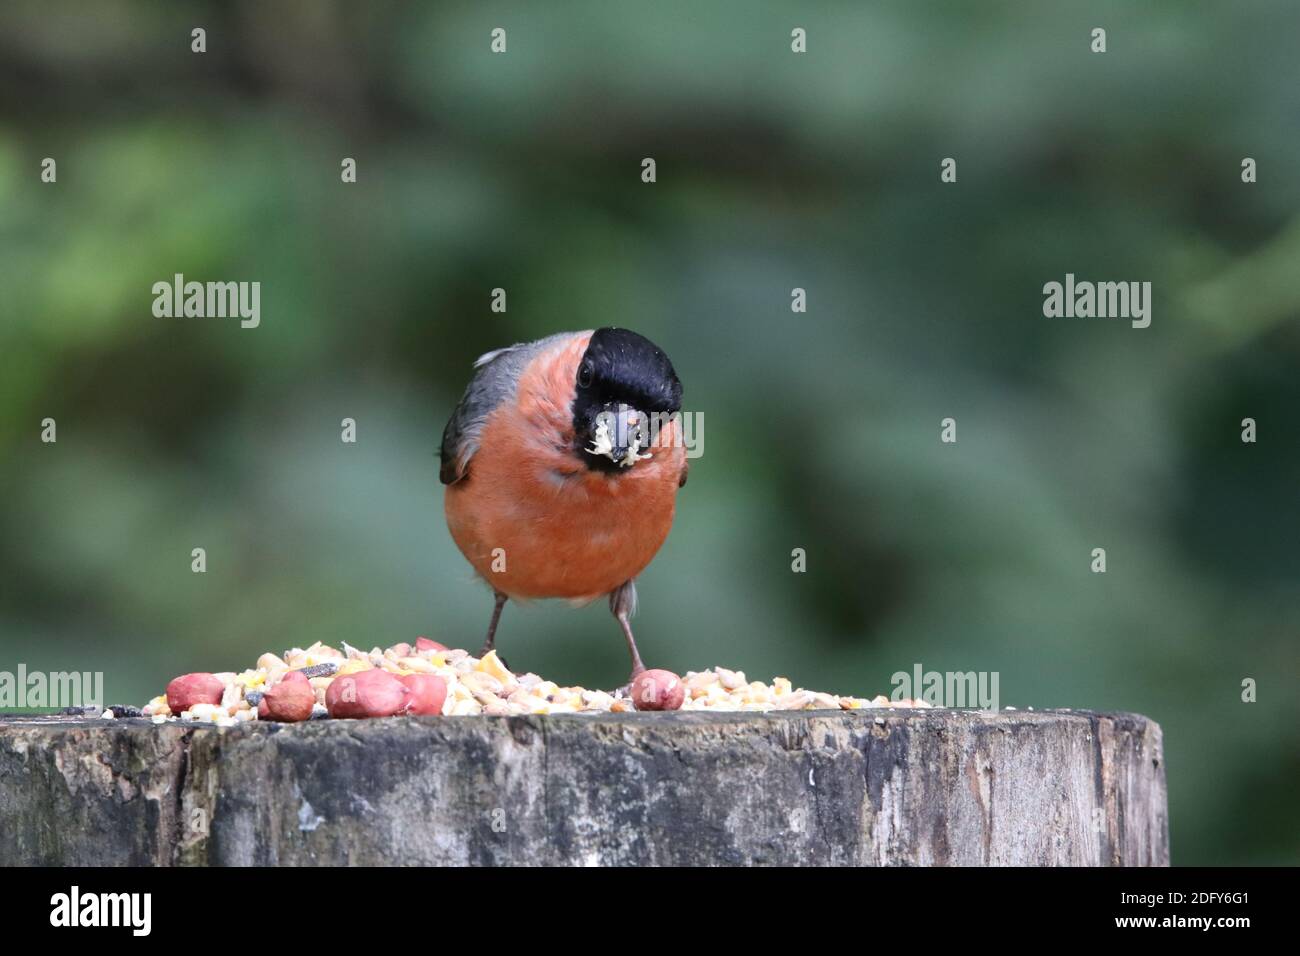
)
(562, 463)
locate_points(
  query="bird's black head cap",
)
(621, 367)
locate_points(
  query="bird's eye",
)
(585, 375)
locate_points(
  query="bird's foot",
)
(626, 689)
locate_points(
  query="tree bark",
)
(874, 787)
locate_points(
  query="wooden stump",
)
(866, 787)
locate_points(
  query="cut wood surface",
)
(819, 788)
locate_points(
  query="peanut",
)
(658, 690)
(190, 689)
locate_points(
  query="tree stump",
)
(873, 787)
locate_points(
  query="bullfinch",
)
(562, 463)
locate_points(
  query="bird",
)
(562, 463)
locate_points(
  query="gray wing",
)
(495, 380)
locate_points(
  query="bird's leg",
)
(490, 643)
(622, 602)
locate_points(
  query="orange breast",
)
(533, 520)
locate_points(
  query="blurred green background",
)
(775, 170)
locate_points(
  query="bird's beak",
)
(621, 433)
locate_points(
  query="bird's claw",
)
(626, 689)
